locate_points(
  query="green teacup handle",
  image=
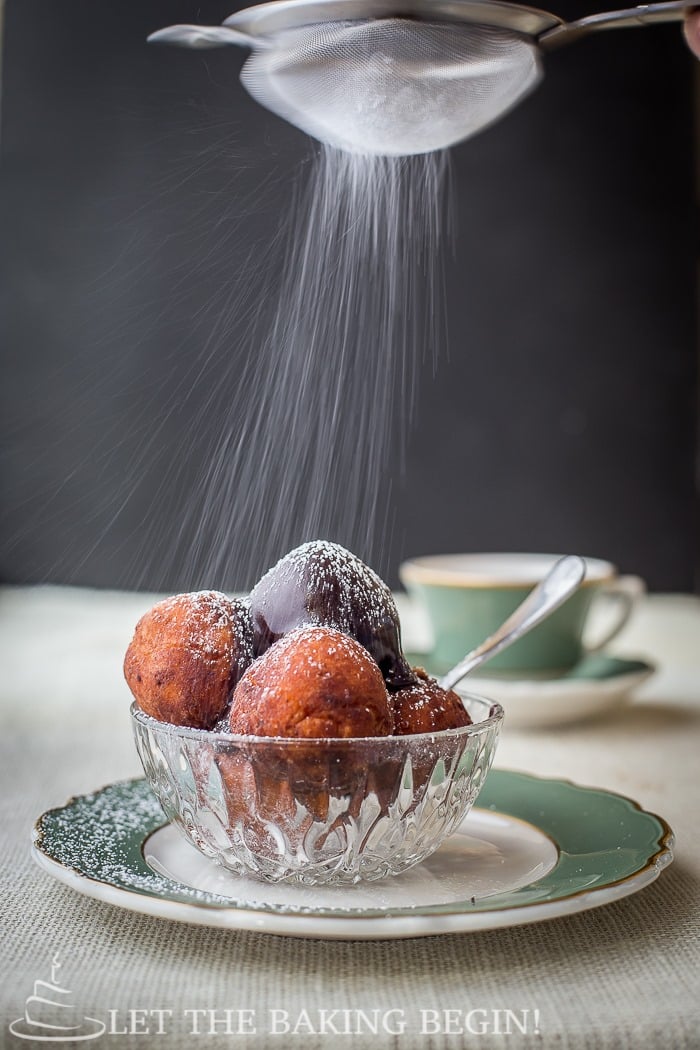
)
(565, 576)
(625, 592)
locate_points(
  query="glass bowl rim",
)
(495, 718)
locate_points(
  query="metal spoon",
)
(562, 580)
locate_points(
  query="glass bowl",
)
(318, 811)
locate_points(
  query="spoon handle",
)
(560, 582)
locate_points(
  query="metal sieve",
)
(398, 77)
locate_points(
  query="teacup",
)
(468, 596)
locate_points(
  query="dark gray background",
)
(566, 415)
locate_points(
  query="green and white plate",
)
(598, 685)
(532, 849)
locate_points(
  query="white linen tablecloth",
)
(621, 976)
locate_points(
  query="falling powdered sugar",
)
(324, 396)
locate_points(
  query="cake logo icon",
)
(51, 1017)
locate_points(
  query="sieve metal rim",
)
(264, 27)
(266, 19)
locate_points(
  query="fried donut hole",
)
(314, 682)
(427, 708)
(187, 655)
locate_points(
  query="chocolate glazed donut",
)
(321, 583)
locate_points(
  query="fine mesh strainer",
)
(398, 77)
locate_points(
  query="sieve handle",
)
(643, 15)
(201, 37)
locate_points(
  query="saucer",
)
(532, 849)
(597, 685)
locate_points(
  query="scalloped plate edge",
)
(359, 927)
(355, 927)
